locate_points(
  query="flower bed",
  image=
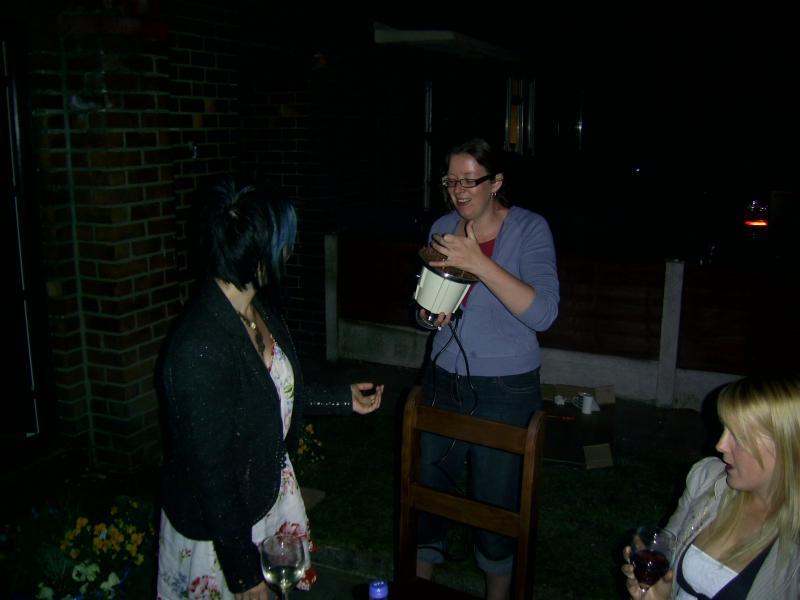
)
(66, 554)
(308, 451)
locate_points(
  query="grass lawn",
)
(584, 514)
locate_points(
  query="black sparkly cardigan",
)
(224, 448)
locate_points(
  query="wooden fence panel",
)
(608, 308)
(734, 319)
(377, 279)
(739, 319)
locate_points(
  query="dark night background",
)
(121, 113)
(686, 118)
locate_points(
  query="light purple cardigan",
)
(496, 341)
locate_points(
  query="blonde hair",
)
(758, 410)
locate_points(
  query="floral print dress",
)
(189, 569)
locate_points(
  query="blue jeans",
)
(492, 476)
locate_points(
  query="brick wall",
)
(100, 107)
(128, 126)
(128, 130)
(276, 124)
(308, 124)
(204, 121)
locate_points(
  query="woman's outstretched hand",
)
(366, 404)
(661, 590)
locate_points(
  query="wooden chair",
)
(414, 496)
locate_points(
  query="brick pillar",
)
(101, 109)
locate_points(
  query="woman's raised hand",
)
(366, 404)
(461, 252)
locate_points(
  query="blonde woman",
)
(738, 521)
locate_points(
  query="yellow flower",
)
(117, 543)
(116, 537)
(100, 544)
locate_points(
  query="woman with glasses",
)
(486, 361)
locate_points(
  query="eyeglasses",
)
(465, 183)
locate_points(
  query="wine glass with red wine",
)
(652, 551)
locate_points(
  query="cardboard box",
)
(577, 438)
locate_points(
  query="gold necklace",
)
(252, 325)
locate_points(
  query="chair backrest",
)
(414, 496)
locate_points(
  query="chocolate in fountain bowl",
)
(428, 254)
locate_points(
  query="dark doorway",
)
(26, 366)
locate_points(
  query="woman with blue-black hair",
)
(232, 399)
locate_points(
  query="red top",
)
(487, 248)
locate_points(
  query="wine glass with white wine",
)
(284, 560)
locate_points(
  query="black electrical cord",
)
(439, 462)
(433, 364)
(469, 377)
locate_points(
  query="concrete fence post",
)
(670, 333)
(331, 306)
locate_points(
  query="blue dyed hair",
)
(250, 228)
(284, 232)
